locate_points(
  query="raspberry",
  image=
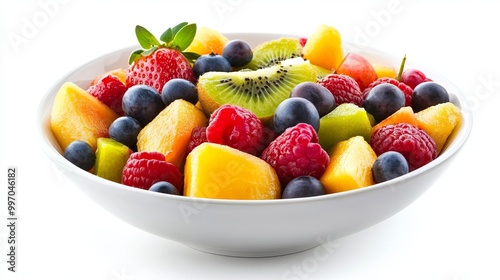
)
(413, 143)
(408, 91)
(238, 128)
(143, 169)
(344, 88)
(198, 136)
(296, 152)
(109, 90)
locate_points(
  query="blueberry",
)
(389, 165)
(303, 186)
(125, 130)
(164, 187)
(81, 154)
(320, 96)
(428, 94)
(238, 53)
(295, 110)
(210, 62)
(383, 100)
(179, 89)
(142, 103)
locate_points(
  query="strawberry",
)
(109, 90)
(158, 62)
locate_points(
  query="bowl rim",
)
(54, 155)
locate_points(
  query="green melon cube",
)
(345, 121)
(111, 157)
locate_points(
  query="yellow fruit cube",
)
(77, 115)
(170, 131)
(324, 47)
(350, 166)
(439, 121)
(207, 41)
(219, 171)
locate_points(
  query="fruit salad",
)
(201, 115)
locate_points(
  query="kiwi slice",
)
(272, 52)
(259, 91)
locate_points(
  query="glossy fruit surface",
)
(303, 186)
(324, 47)
(207, 40)
(359, 68)
(81, 154)
(428, 94)
(383, 100)
(389, 165)
(77, 115)
(111, 157)
(319, 96)
(293, 111)
(164, 187)
(218, 171)
(238, 53)
(142, 103)
(179, 89)
(170, 131)
(125, 130)
(350, 166)
(210, 62)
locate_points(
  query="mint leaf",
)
(184, 37)
(145, 38)
(135, 55)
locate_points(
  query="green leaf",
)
(178, 27)
(135, 55)
(184, 37)
(145, 38)
(191, 56)
(150, 51)
(167, 36)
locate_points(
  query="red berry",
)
(344, 88)
(109, 90)
(413, 77)
(302, 41)
(402, 86)
(238, 128)
(296, 152)
(143, 169)
(158, 68)
(198, 136)
(413, 143)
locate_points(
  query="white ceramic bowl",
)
(249, 228)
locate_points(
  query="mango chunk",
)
(77, 115)
(169, 132)
(403, 115)
(324, 47)
(207, 41)
(219, 171)
(350, 166)
(439, 121)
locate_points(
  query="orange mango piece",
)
(77, 115)
(324, 47)
(384, 71)
(350, 166)
(403, 115)
(169, 132)
(207, 41)
(439, 121)
(219, 171)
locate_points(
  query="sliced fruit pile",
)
(200, 115)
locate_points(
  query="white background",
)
(451, 233)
